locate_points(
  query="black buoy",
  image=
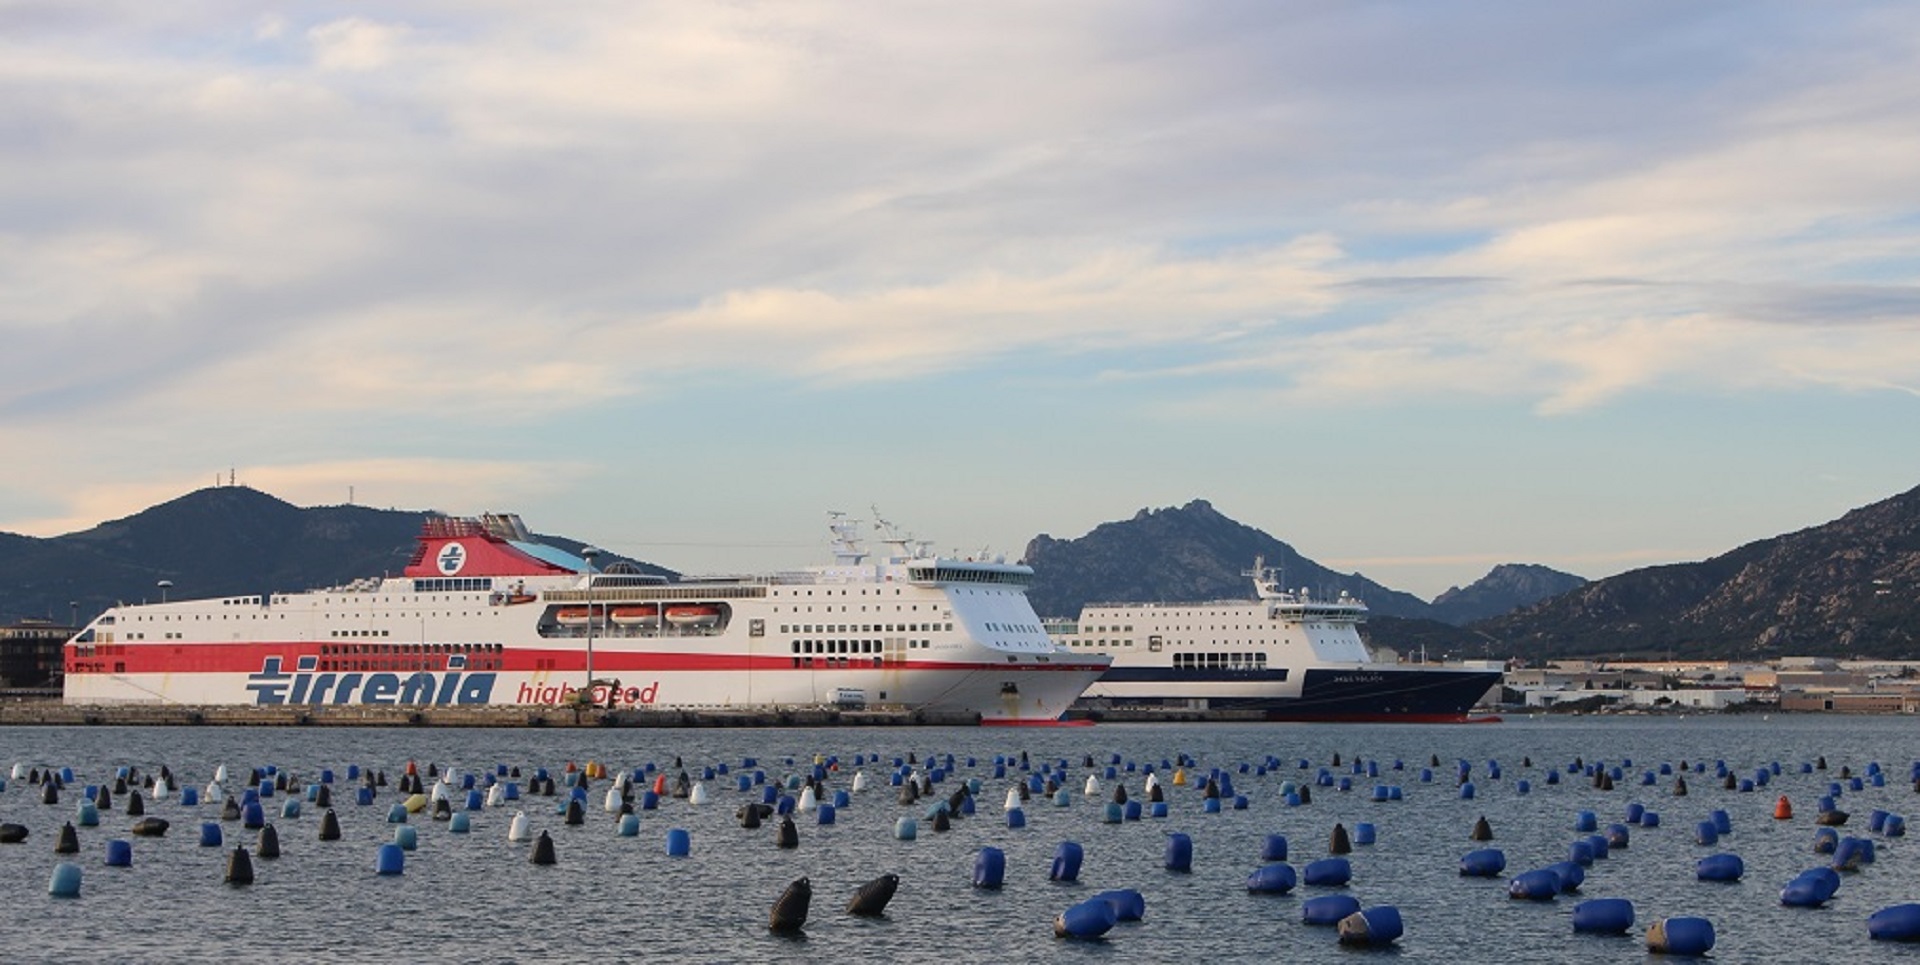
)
(324, 798)
(1730, 783)
(443, 809)
(49, 794)
(576, 812)
(749, 815)
(1680, 787)
(1336, 759)
(1306, 794)
(120, 784)
(1526, 761)
(1052, 787)
(12, 833)
(941, 822)
(1821, 764)
(871, 900)
(136, 805)
(1213, 789)
(1119, 794)
(954, 801)
(329, 826)
(542, 849)
(1482, 831)
(790, 909)
(269, 846)
(1155, 795)
(1846, 771)
(69, 842)
(787, 836)
(231, 811)
(239, 868)
(1340, 843)
(102, 799)
(1433, 760)
(33, 776)
(909, 793)
(433, 770)
(150, 828)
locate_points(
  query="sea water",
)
(477, 896)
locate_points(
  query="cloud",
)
(355, 44)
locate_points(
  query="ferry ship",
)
(485, 614)
(1284, 654)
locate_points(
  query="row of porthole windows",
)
(850, 646)
(865, 627)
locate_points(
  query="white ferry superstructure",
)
(485, 614)
(1284, 654)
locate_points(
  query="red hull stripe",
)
(168, 657)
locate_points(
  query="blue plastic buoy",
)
(119, 854)
(1377, 926)
(679, 843)
(406, 837)
(1066, 862)
(1720, 867)
(1328, 910)
(210, 836)
(989, 868)
(1895, 923)
(1275, 848)
(391, 860)
(1585, 821)
(1278, 878)
(460, 823)
(1328, 872)
(1483, 863)
(1603, 916)
(906, 829)
(1810, 888)
(1364, 833)
(65, 880)
(1128, 904)
(1539, 884)
(1088, 919)
(1016, 818)
(1179, 853)
(1571, 876)
(1681, 936)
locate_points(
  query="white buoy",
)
(1013, 799)
(622, 779)
(806, 801)
(19, 772)
(214, 794)
(1093, 785)
(1153, 781)
(697, 794)
(859, 781)
(442, 792)
(220, 774)
(496, 795)
(519, 829)
(612, 802)
(160, 790)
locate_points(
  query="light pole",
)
(588, 553)
(164, 586)
(73, 608)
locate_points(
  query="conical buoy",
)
(1680, 787)
(329, 826)
(269, 845)
(576, 813)
(1340, 843)
(69, 842)
(790, 910)
(239, 868)
(750, 815)
(542, 849)
(788, 836)
(1482, 831)
(871, 900)
(1782, 809)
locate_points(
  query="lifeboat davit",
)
(693, 615)
(628, 616)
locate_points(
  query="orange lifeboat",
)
(693, 615)
(577, 616)
(627, 616)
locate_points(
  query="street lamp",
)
(588, 553)
(164, 586)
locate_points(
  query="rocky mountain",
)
(1183, 554)
(1504, 589)
(222, 541)
(1848, 588)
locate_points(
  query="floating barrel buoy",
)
(1604, 916)
(789, 912)
(906, 829)
(1339, 842)
(1275, 848)
(1277, 878)
(1681, 936)
(1017, 818)
(1066, 862)
(253, 817)
(871, 900)
(1539, 884)
(1581, 852)
(1483, 863)
(1364, 833)
(1179, 853)
(210, 834)
(145, 828)
(1810, 888)
(1825, 840)
(1328, 872)
(1895, 923)
(1852, 854)
(989, 868)
(679, 843)
(1720, 867)
(1585, 822)
(1617, 836)
(1832, 818)
(391, 859)
(65, 880)
(1482, 831)
(1327, 910)
(119, 854)
(1376, 926)
(1571, 876)
(1088, 919)
(1128, 904)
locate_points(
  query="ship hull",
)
(1360, 694)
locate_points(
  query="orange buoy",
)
(572, 767)
(1782, 810)
(660, 784)
(413, 768)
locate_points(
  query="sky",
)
(1418, 287)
